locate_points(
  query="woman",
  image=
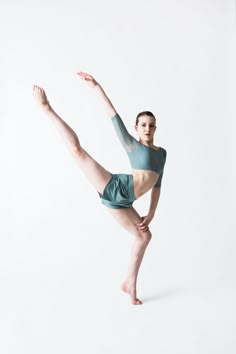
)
(119, 191)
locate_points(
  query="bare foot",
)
(40, 96)
(127, 288)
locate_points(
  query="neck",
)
(147, 143)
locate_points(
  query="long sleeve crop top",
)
(141, 157)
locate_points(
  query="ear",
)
(136, 128)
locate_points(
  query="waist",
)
(143, 181)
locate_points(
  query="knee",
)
(144, 237)
(147, 236)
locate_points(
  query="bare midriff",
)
(143, 181)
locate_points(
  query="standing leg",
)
(129, 218)
(96, 174)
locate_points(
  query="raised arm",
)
(90, 81)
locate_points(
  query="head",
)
(145, 126)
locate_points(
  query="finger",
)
(142, 220)
(142, 227)
(139, 225)
(83, 75)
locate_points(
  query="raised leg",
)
(96, 174)
(128, 219)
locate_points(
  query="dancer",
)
(119, 191)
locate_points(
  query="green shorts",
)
(119, 192)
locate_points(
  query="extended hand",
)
(88, 79)
(143, 226)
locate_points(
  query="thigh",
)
(97, 175)
(128, 218)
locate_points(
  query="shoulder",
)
(164, 152)
(160, 149)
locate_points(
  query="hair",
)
(145, 113)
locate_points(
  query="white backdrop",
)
(62, 257)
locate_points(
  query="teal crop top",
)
(141, 157)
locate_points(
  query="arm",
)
(155, 195)
(99, 91)
(107, 103)
(125, 138)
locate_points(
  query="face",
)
(146, 128)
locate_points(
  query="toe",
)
(137, 302)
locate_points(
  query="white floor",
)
(54, 312)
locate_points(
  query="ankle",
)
(46, 107)
(130, 284)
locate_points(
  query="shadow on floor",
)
(164, 294)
